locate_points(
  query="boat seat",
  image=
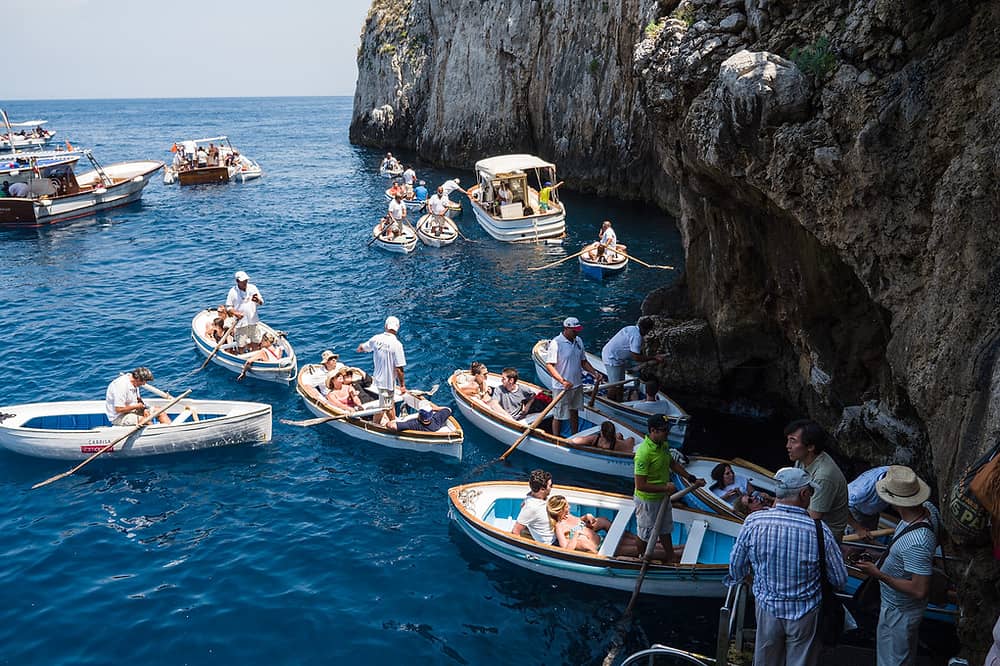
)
(692, 547)
(615, 532)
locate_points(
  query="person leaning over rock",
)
(804, 441)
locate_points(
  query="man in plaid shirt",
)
(780, 545)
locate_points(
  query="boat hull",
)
(232, 423)
(615, 263)
(485, 512)
(404, 243)
(523, 229)
(206, 175)
(447, 235)
(130, 178)
(446, 442)
(635, 413)
(282, 371)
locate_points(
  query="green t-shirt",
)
(652, 461)
(831, 497)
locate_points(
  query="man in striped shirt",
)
(781, 548)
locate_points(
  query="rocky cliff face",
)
(833, 167)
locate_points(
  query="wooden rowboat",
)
(446, 441)
(543, 444)
(704, 499)
(411, 204)
(404, 243)
(281, 371)
(611, 263)
(633, 412)
(446, 236)
(76, 429)
(486, 512)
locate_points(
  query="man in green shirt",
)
(804, 441)
(653, 464)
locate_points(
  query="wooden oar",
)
(531, 428)
(556, 263)
(593, 393)
(219, 346)
(885, 531)
(142, 424)
(651, 544)
(642, 263)
(326, 419)
(380, 231)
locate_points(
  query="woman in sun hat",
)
(905, 574)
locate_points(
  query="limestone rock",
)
(733, 23)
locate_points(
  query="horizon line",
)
(126, 99)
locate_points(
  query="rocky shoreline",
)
(832, 168)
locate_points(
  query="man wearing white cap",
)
(389, 360)
(781, 547)
(243, 299)
(905, 574)
(566, 360)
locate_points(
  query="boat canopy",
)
(29, 123)
(492, 166)
(208, 140)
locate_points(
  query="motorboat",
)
(53, 192)
(187, 168)
(74, 430)
(446, 441)
(505, 199)
(486, 512)
(30, 134)
(634, 412)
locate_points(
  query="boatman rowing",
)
(123, 404)
(243, 300)
(388, 359)
(437, 208)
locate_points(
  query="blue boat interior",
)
(80, 421)
(715, 547)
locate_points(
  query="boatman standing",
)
(392, 224)
(243, 299)
(566, 360)
(389, 360)
(624, 348)
(437, 208)
(449, 186)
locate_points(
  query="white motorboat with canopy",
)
(187, 169)
(33, 135)
(526, 217)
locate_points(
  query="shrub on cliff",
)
(816, 60)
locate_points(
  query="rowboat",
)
(633, 412)
(404, 243)
(523, 218)
(74, 430)
(446, 441)
(281, 371)
(446, 236)
(411, 204)
(390, 173)
(703, 499)
(599, 267)
(486, 513)
(31, 134)
(231, 164)
(56, 193)
(542, 443)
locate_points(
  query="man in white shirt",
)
(533, 516)
(566, 360)
(389, 360)
(122, 403)
(244, 299)
(19, 189)
(624, 348)
(392, 225)
(449, 186)
(437, 208)
(409, 180)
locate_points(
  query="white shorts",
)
(615, 373)
(247, 334)
(572, 402)
(128, 419)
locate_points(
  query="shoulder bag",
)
(831, 610)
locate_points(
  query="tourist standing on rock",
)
(624, 348)
(566, 360)
(805, 443)
(781, 549)
(905, 574)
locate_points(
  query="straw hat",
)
(902, 487)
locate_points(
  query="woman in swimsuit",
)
(574, 533)
(477, 388)
(268, 352)
(608, 438)
(341, 395)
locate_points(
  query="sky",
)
(80, 49)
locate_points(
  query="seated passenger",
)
(426, 420)
(515, 399)
(396, 189)
(477, 388)
(607, 438)
(574, 533)
(728, 485)
(341, 394)
(650, 392)
(598, 253)
(268, 352)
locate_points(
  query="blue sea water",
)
(314, 547)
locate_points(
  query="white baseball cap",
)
(392, 324)
(241, 276)
(572, 322)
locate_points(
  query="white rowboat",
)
(76, 430)
(486, 512)
(404, 243)
(599, 267)
(281, 371)
(447, 234)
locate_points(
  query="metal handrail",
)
(666, 650)
(732, 616)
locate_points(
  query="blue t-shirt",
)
(420, 192)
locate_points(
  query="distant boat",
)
(447, 234)
(32, 136)
(55, 193)
(404, 243)
(486, 512)
(230, 165)
(74, 430)
(600, 266)
(522, 219)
